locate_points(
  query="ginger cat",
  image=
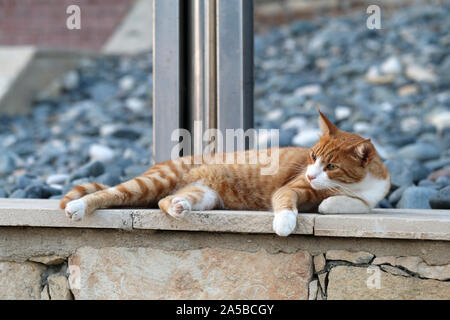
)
(342, 173)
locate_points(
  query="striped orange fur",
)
(178, 186)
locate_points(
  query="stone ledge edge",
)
(44, 213)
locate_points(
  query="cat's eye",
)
(331, 167)
(313, 156)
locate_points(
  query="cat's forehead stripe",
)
(328, 151)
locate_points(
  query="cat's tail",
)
(80, 191)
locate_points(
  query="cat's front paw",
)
(284, 222)
(329, 206)
(342, 204)
(76, 210)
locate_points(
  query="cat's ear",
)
(364, 151)
(327, 127)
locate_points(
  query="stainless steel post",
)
(168, 79)
(203, 68)
(234, 64)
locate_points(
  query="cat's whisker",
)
(298, 168)
(346, 190)
(293, 166)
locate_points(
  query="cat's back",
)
(250, 184)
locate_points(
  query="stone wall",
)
(43, 280)
(52, 263)
(219, 254)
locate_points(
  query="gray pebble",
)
(419, 151)
(416, 198)
(57, 179)
(401, 176)
(7, 164)
(19, 193)
(443, 181)
(92, 169)
(37, 191)
(441, 200)
(108, 179)
(395, 196)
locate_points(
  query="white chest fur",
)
(370, 189)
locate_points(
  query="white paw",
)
(329, 206)
(76, 209)
(342, 204)
(179, 207)
(284, 222)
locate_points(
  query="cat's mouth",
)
(315, 185)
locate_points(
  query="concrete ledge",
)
(382, 223)
(45, 213)
(218, 221)
(135, 34)
(26, 71)
(387, 223)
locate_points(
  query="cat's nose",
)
(310, 178)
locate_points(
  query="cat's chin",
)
(317, 186)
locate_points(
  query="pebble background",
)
(392, 85)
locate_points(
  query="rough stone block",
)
(313, 289)
(319, 263)
(48, 260)
(58, 287)
(20, 281)
(146, 273)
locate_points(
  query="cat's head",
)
(338, 158)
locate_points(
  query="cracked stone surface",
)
(355, 283)
(45, 294)
(322, 280)
(359, 257)
(417, 266)
(394, 270)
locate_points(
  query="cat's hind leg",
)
(141, 190)
(191, 197)
(144, 190)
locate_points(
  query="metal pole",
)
(203, 68)
(234, 64)
(211, 65)
(167, 76)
